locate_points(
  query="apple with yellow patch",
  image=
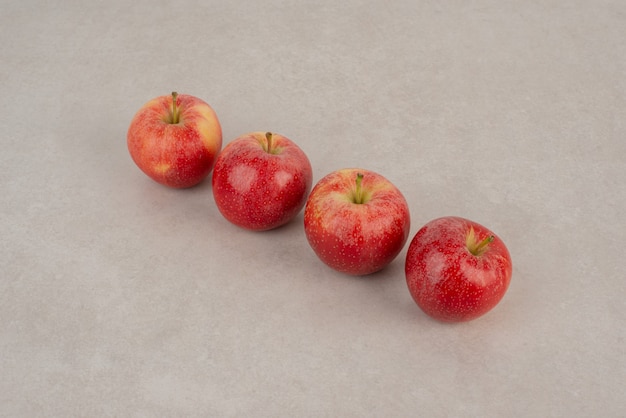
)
(356, 221)
(456, 269)
(175, 140)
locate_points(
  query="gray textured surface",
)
(120, 297)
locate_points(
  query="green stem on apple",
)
(268, 136)
(477, 248)
(482, 246)
(175, 111)
(358, 193)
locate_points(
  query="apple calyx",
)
(359, 196)
(175, 111)
(477, 248)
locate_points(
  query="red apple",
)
(261, 181)
(356, 221)
(457, 270)
(175, 139)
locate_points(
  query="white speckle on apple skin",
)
(281, 178)
(473, 273)
(435, 263)
(242, 177)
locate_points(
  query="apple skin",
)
(260, 190)
(180, 153)
(356, 238)
(457, 270)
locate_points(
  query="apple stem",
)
(358, 193)
(268, 135)
(175, 110)
(480, 248)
